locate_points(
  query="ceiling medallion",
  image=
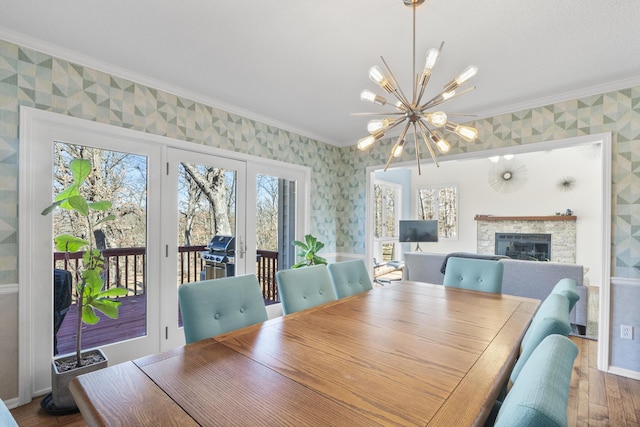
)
(413, 112)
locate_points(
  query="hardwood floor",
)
(595, 398)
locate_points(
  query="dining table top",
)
(404, 354)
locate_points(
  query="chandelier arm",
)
(413, 69)
(400, 138)
(423, 85)
(397, 91)
(398, 113)
(423, 128)
(435, 101)
(417, 146)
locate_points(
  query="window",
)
(441, 203)
(386, 213)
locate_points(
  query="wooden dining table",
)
(406, 354)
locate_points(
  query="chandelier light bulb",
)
(379, 125)
(442, 144)
(432, 57)
(468, 73)
(368, 96)
(437, 119)
(467, 132)
(464, 76)
(397, 150)
(376, 76)
(367, 141)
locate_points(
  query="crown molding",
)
(97, 64)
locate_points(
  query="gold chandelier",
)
(415, 113)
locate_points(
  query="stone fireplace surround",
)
(561, 227)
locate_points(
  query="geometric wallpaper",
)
(38, 80)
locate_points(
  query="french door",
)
(47, 145)
(179, 196)
(205, 197)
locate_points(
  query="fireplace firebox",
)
(525, 246)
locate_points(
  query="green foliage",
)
(308, 252)
(90, 295)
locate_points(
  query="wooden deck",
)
(129, 324)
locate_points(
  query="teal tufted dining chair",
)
(213, 307)
(569, 289)
(551, 318)
(349, 277)
(540, 395)
(306, 287)
(474, 274)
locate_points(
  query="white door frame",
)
(39, 130)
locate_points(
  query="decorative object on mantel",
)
(507, 176)
(412, 111)
(566, 183)
(525, 218)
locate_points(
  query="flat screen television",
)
(418, 231)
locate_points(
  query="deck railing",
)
(125, 267)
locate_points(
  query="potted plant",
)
(308, 252)
(89, 293)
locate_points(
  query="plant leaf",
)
(107, 306)
(79, 204)
(102, 205)
(68, 243)
(80, 170)
(114, 292)
(89, 316)
(70, 191)
(50, 208)
(105, 219)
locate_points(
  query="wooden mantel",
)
(525, 218)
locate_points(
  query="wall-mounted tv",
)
(418, 231)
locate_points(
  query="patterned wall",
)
(38, 80)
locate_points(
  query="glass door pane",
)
(275, 230)
(119, 177)
(206, 222)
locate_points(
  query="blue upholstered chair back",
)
(540, 395)
(552, 317)
(213, 307)
(569, 289)
(6, 419)
(474, 274)
(349, 277)
(302, 288)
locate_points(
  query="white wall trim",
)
(625, 281)
(97, 64)
(8, 289)
(11, 403)
(624, 373)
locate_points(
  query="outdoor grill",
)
(219, 257)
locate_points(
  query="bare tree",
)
(267, 213)
(213, 186)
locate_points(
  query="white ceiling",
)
(301, 64)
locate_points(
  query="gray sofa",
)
(522, 278)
